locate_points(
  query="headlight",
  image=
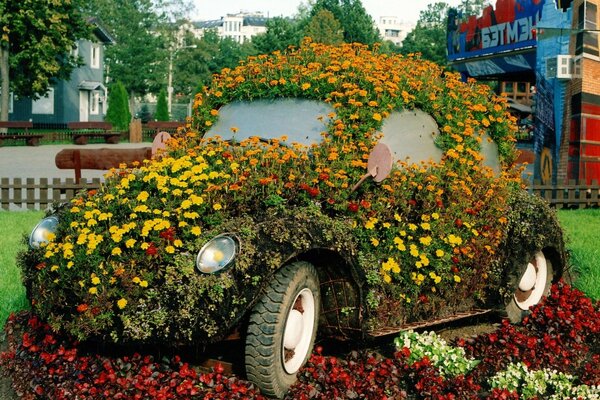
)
(217, 254)
(42, 231)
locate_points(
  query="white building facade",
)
(394, 30)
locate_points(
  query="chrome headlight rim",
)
(48, 224)
(229, 242)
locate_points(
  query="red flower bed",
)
(562, 333)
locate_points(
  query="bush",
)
(118, 113)
(162, 108)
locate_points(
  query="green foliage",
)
(162, 109)
(429, 36)
(357, 25)
(544, 383)
(139, 58)
(450, 361)
(324, 28)
(38, 36)
(118, 107)
(281, 33)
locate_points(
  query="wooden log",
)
(102, 159)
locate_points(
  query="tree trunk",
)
(5, 87)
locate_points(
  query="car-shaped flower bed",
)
(328, 188)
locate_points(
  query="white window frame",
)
(44, 105)
(95, 56)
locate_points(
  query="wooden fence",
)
(34, 194)
(569, 195)
(38, 194)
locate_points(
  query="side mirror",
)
(379, 165)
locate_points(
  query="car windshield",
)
(302, 121)
(410, 135)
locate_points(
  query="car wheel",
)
(282, 329)
(533, 281)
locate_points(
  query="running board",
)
(384, 331)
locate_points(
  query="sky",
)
(405, 10)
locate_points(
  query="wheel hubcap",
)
(532, 284)
(297, 336)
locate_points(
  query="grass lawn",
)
(12, 227)
(582, 228)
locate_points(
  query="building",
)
(239, 27)
(81, 98)
(394, 30)
(546, 52)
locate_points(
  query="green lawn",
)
(582, 229)
(12, 227)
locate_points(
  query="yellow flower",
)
(95, 280)
(370, 224)
(130, 243)
(143, 196)
(116, 251)
(93, 290)
(217, 206)
(387, 278)
(439, 253)
(136, 280)
(144, 284)
(457, 279)
(426, 240)
(170, 249)
(375, 242)
(196, 231)
(122, 303)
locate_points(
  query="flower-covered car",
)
(328, 187)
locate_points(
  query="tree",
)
(281, 33)
(118, 107)
(324, 28)
(35, 43)
(162, 110)
(357, 25)
(429, 36)
(139, 59)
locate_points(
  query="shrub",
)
(544, 383)
(118, 113)
(44, 365)
(450, 361)
(162, 108)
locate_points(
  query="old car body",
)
(299, 198)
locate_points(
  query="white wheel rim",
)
(532, 284)
(297, 336)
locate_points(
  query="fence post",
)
(135, 131)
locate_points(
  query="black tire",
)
(535, 285)
(270, 363)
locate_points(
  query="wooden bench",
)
(105, 159)
(82, 131)
(21, 126)
(164, 126)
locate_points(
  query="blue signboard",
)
(510, 26)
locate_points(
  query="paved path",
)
(38, 161)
